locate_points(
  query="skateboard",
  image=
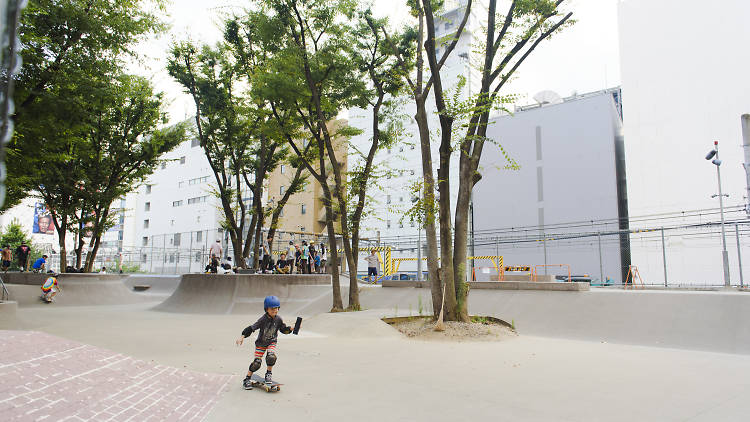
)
(44, 299)
(258, 381)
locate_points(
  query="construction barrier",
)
(630, 280)
(518, 269)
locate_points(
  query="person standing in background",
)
(323, 258)
(22, 252)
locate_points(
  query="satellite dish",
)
(548, 97)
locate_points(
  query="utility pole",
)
(724, 255)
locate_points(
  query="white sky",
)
(583, 58)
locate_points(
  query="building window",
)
(302, 229)
(148, 188)
(197, 200)
(448, 25)
(411, 224)
(145, 240)
(181, 185)
(401, 149)
(388, 199)
(401, 225)
(163, 166)
(388, 224)
(412, 146)
(400, 199)
(144, 258)
(177, 238)
(145, 224)
(148, 206)
(281, 213)
(182, 160)
(282, 188)
(177, 203)
(304, 209)
(282, 168)
(389, 150)
(195, 143)
(199, 237)
(171, 223)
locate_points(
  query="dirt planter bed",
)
(483, 328)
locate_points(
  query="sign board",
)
(512, 269)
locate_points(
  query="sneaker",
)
(247, 384)
(269, 381)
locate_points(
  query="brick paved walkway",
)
(43, 377)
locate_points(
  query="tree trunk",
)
(433, 269)
(61, 226)
(251, 235)
(460, 240)
(91, 256)
(452, 285)
(351, 260)
(338, 304)
(98, 231)
(79, 247)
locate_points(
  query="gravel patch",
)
(423, 329)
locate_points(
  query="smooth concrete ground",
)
(354, 367)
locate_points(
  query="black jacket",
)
(269, 328)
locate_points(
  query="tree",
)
(224, 127)
(123, 147)
(377, 62)
(67, 44)
(311, 76)
(507, 45)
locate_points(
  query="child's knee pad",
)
(270, 358)
(255, 365)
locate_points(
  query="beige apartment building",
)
(304, 213)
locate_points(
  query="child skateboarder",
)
(50, 288)
(268, 327)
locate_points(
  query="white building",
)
(177, 211)
(684, 74)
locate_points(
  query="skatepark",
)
(162, 348)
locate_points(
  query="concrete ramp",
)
(244, 293)
(77, 290)
(713, 321)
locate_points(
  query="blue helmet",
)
(271, 302)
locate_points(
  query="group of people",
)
(302, 259)
(22, 254)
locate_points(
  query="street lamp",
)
(724, 255)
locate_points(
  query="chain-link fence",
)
(180, 253)
(675, 255)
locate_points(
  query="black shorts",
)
(6, 263)
(372, 271)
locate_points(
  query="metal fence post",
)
(664, 256)
(151, 260)
(739, 253)
(601, 266)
